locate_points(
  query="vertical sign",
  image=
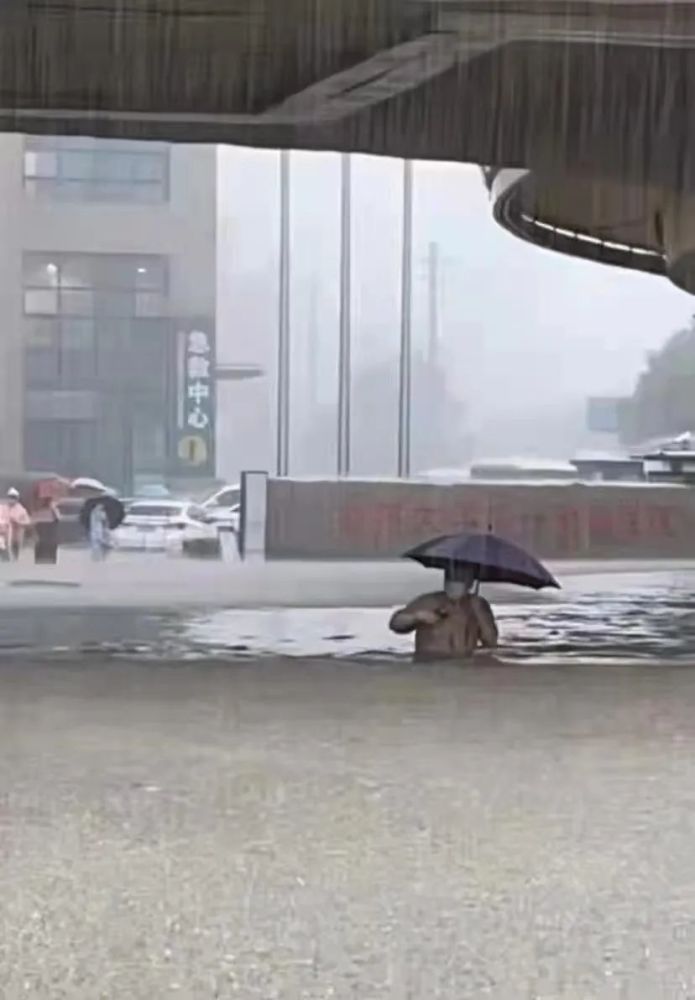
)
(195, 409)
(604, 414)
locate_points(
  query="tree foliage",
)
(663, 402)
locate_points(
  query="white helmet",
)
(13, 494)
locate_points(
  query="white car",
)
(167, 525)
(224, 508)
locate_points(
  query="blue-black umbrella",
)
(115, 511)
(488, 557)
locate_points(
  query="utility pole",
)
(345, 346)
(433, 301)
(405, 364)
(313, 344)
(283, 374)
(434, 381)
(433, 385)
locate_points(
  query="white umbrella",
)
(86, 483)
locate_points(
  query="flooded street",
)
(311, 830)
(302, 299)
(167, 608)
(216, 801)
(620, 618)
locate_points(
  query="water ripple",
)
(621, 618)
(605, 617)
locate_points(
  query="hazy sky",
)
(518, 324)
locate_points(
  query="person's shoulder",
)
(434, 597)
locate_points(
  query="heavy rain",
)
(347, 499)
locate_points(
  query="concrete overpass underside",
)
(590, 103)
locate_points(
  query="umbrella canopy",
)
(85, 484)
(490, 558)
(115, 511)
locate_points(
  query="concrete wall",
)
(370, 520)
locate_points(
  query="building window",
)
(60, 351)
(40, 302)
(83, 310)
(64, 446)
(81, 169)
(148, 441)
(42, 352)
(87, 285)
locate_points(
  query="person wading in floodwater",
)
(14, 522)
(46, 520)
(99, 533)
(448, 623)
(454, 622)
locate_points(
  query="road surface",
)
(310, 830)
(230, 781)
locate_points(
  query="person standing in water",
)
(14, 521)
(99, 532)
(46, 520)
(451, 623)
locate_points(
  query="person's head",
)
(12, 496)
(458, 581)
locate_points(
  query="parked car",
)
(224, 508)
(153, 491)
(167, 525)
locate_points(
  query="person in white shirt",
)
(14, 522)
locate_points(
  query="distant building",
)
(108, 301)
(609, 468)
(671, 461)
(523, 470)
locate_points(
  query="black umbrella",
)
(490, 558)
(115, 511)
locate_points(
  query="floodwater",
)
(223, 800)
(613, 617)
(263, 833)
(608, 614)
